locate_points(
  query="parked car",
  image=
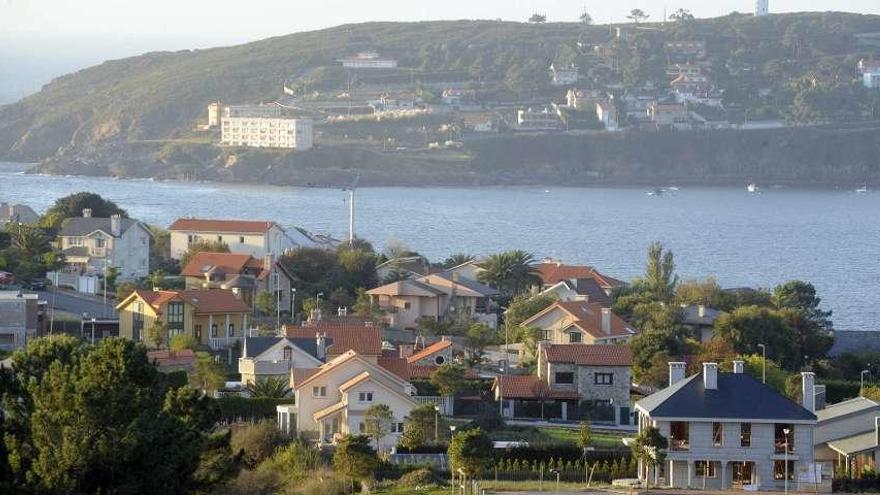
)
(36, 284)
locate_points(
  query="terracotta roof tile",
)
(396, 365)
(361, 339)
(553, 273)
(229, 263)
(430, 350)
(589, 355)
(172, 359)
(204, 301)
(588, 317)
(213, 225)
(530, 387)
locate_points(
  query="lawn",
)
(544, 435)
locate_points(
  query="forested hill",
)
(161, 96)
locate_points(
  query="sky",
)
(40, 39)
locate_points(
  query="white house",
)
(331, 400)
(256, 238)
(728, 430)
(90, 245)
(275, 357)
(580, 322)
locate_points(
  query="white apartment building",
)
(256, 238)
(263, 126)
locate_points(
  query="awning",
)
(855, 444)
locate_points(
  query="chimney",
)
(406, 350)
(87, 213)
(710, 376)
(341, 311)
(701, 311)
(115, 225)
(677, 371)
(738, 366)
(808, 400)
(321, 344)
(606, 321)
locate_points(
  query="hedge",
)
(562, 452)
(243, 408)
(838, 390)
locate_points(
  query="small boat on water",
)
(752, 188)
(863, 188)
(656, 192)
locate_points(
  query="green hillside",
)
(798, 67)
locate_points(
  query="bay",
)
(830, 238)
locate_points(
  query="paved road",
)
(78, 304)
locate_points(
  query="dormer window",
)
(288, 353)
(575, 337)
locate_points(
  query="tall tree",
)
(457, 259)
(537, 18)
(637, 16)
(479, 336)
(355, 458)
(746, 327)
(511, 272)
(660, 279)
(73, 206)
(801, 296)
(470, 451)
(449, 378)
(650, 448)
(681, 15)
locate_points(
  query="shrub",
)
(259, 482)
(325, 483)
(237, 408)
(419, 478)
(294, 462)
(256, 442)
(182, 341)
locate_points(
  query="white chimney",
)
(115, 225)
(87, 213)
(710, 376)
(321, 344)
(606, 321)
(701, 311)
(738, 366)
(808, 395)
(677, 372)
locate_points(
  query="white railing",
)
(217, 343)
(443, 402)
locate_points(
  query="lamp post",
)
(557, 473)
(763, 363)
(94, 320)
(862, 382)
(786, 431)
(436, 424)
(292, 304)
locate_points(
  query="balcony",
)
(219, 343)
(677, 445)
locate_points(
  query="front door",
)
(742, 473)
(624, 415)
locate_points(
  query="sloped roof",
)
(552, 272)
(81, 226)
(845, 408)
(406, 288)
(483, 289)
(76, 251)
(204, 301)
(530, 387)
(430, 350)
(327, 411)
(589, 355)
(340, 339)
(228, 263)
(588, 318)
(300, 375)
(855, 444)
(736, 397)
(228, 226)
(172, 359)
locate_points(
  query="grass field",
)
(544, 435)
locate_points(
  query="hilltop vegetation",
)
(136, 116)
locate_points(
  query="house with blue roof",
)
(730, 431)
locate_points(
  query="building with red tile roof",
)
(553, 272)
(576, 322)
(438, 353)
(241, 272)
(365, 340)
(256, 238)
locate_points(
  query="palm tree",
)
(511, 272)
(270, 388)
(457, 259)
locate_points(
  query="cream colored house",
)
(215, 318)
(332, 399)
(92, 244)
(274, 357)
(437, 296)
(256, 238)
(580, 322)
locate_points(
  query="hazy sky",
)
(41, 39)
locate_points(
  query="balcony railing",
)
(679, 445)
(218, 343)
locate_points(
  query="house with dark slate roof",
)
(729, 430)
(273, 357)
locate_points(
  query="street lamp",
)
(436, 424)
(785, 431)
(318, 303)
(557, 473)
(292, 304)
(763, 363)
(94, 320)
(862, 382)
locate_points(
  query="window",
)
(564, 377)
(219, 238)
(406, 305)
(362, 428)
(546, 335)
(717, 434)
(174, 318)
(781, 440)
(99, 242)
(679, 436)
(745, 435)
(704, 469)
(439, 360)
(288, 353)
(137, 321)
(603, 378)
(779, 470)
(190, 238)
(365, 396)
(241, 239)
(319, 391)
(214, 330)
(575, 338)
(231, 329)
(396, 427)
